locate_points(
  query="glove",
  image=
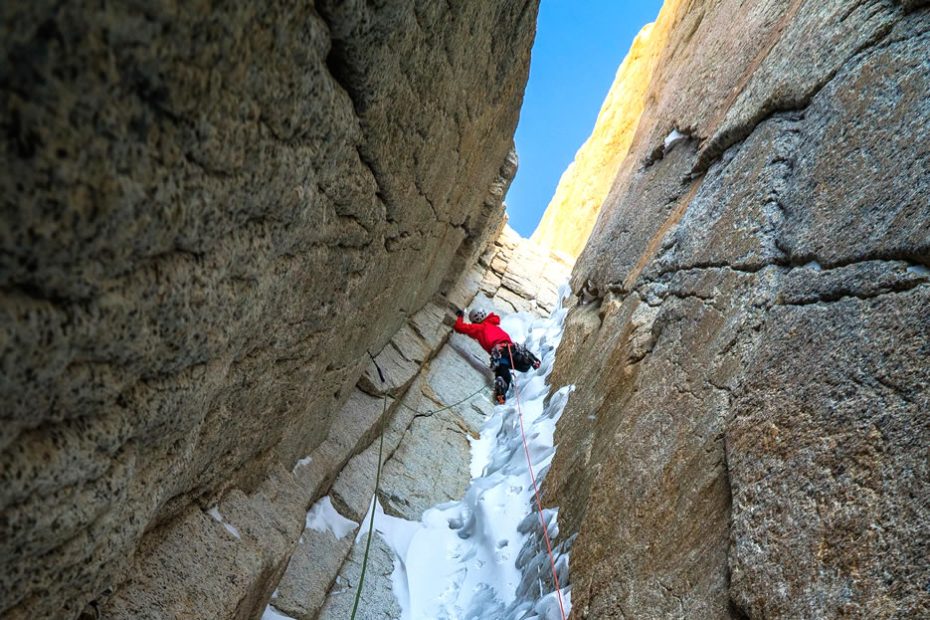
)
(459, 313)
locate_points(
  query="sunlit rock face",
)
(584, 185)
(210, 214)
(750, 345)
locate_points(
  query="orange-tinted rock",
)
(571, 213)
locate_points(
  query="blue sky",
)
(579, 46)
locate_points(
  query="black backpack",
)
(522, 358)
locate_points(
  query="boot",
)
(500, 391)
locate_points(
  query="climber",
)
(485, 328)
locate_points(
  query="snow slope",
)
(482, 557)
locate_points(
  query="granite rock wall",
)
(210, 214)
(750, 344)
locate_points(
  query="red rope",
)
(529, 463)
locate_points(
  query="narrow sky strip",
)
(578, 48)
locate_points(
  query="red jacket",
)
(487, 332)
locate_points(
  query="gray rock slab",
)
(751, 444)
(453, 376)
(353, 488)
(311, 573)
(466, 288)
(399, 361)
(247, 539)
(430, 466)
(827, 464)
(429, 324)
(378, 601)
(210, 217)
(509, 299)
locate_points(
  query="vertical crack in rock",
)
(426, 455)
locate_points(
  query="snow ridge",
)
(219, 518)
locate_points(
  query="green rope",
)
(371, 522)
(455, 404)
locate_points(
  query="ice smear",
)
(215, 513)
(302, 463)
(918, 270)
(323, 517)
(483, 556)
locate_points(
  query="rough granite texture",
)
(209, 215)
(750, 342)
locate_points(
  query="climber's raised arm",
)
(469, 329)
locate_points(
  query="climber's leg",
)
(502, 379)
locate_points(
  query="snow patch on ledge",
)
(301, 463)
(323, 517)
(271, 613)
(671, 140)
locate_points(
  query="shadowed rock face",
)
(748, 435)
(210, 213)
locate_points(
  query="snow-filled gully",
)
(483, 557)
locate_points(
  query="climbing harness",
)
(521, 359)
(542, 520)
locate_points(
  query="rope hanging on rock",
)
(542, 520)
(426, 414)
(374, 498)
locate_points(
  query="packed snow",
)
(323, 517)
(271, 613)
(483, 557)
(302, 463)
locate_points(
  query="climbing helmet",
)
(477, 315)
